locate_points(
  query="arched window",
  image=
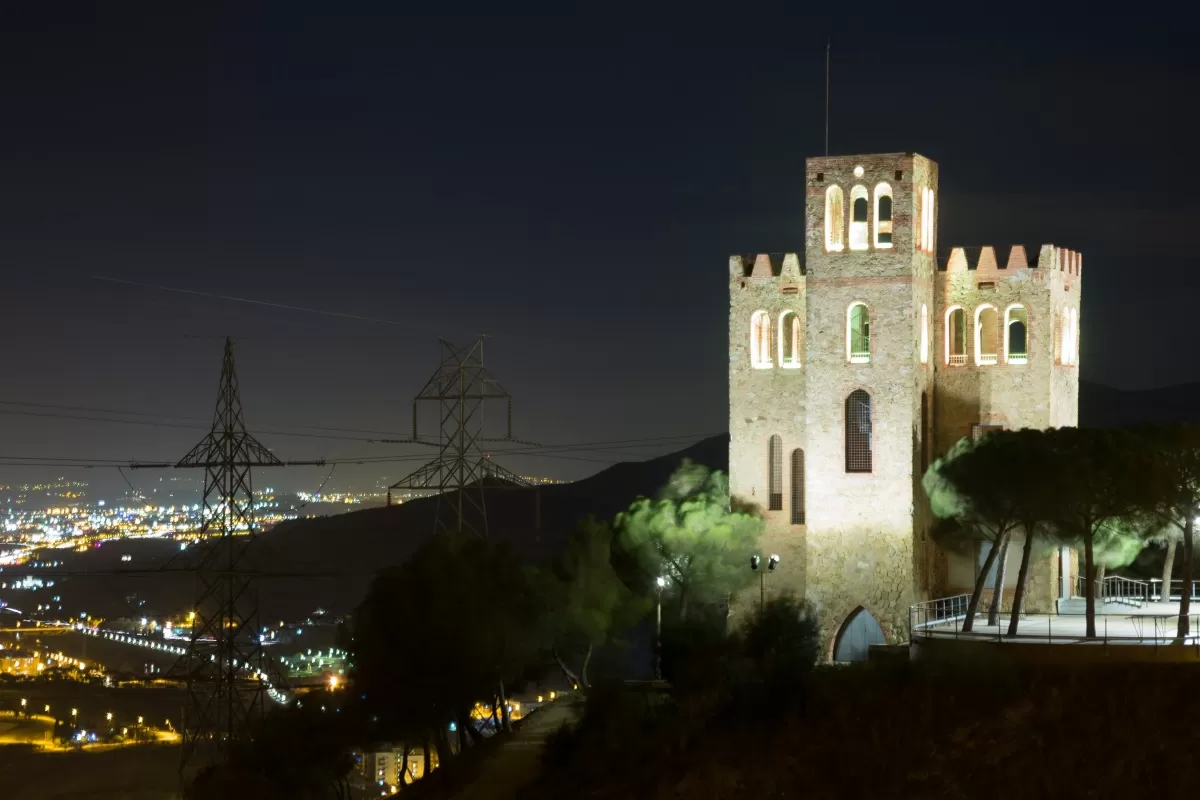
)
(1070, 336)
(927, 218)
(775, 465)
(858, 334)
(883, 215)
(986, 324)
(797, 487)
(835, 219)
(858, 431)
(924, 334)
(858, 218)
(789, 340)
(760, 340)
(1016, 333)
(956, 336)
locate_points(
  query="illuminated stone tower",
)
(850, 370)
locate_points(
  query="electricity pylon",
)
(461, 471)
(226, 675)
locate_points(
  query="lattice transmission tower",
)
(224, 664)
(461, 472)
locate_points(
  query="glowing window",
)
(924, 432)
(883, 215)
(924, 334)
(858, 334)
(1070, 336)
(986, 324)
(858, 431)
(760, 340)
(775, 465)
(929, 218)
(858, 218)
(797, 487)
(835, 219)
(789, 340)
(1016, 335)
(956, 336)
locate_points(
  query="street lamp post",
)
(662, 583)
(755, 563)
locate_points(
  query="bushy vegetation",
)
(892, 730)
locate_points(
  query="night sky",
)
(571, 186)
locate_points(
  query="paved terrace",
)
(1153, 623)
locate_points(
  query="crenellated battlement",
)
(984, 260)
(784, 268)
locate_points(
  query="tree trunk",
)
(505, 716)
(466, 725)
(998, 586)
(583, 670)
(1164, 596)
(973, 605)
(1185, 594)
(1014, 614)
(427, 757)
(444, 749)
(683, 603)
(1089, 583)
(403, 777)
(1099, 587)
(571, 676)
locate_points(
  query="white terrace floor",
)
(1153, 623)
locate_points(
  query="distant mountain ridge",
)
(1102, 406)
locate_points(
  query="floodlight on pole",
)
(772, 563)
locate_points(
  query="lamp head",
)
(773, 562)
(754, 560)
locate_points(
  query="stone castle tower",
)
(853, 366)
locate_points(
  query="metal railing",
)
(1176, 589)
(1117, 589)
(1111, 629)
(941, 611)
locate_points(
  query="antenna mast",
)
(828, 44)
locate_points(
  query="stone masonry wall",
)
(765, 402)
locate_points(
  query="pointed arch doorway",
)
(858, 633)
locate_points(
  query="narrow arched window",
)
(858, 334)
(956, 336)
(835, 219)
(928, 219)
(986, 324)
(858, 431)
(797, 487)
(789, 340)
(775, 464)
(1016, 334)
(1075, 336)
(858, 218)
(1070, 336)
(760, 340)
(883, 215)
(924, 334)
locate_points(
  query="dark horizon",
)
(571, 186)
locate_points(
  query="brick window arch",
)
(789, 340)
(883, 215)
(859, 218)
(835, 220)
(986, 335)
(775, 467)
(760, 340)
(858, 431)
(858, 333)
(797, 487)
(956, 336)
(1016, 334)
